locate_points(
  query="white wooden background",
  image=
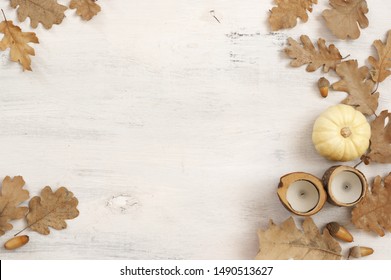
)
(171, 129)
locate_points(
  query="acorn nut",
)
(323, 85)
(338, 231)
(360, 251)
(16, 242)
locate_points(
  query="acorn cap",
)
(338, 231)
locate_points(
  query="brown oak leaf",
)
(86, 9)
(380, 147)
(380, 68)
(46, 12)
(345, 16)
(328, 57)
(287, 11)
(354, 81)
(11, 196)
(51, 209)
(373, 212)
(288, 242)
(17, 41)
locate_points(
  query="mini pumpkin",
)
(341, 133)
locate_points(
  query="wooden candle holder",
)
(289, 179)
(329, 176)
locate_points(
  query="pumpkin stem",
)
(345, 132)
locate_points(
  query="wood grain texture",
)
(171, 128)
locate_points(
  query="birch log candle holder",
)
(301, 193)
(345, 185)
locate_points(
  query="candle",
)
(346, 187)
(301, 193)
(303, 196)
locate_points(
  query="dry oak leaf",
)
(380, 147)
(328, 57)
(344, 16)
(46, 12)
(17, 41)
(288, 242)
(381, 67)
(287, 11)
(11, 196)
(51, 210)
(373, 213)
(86, 9)
(354, 81)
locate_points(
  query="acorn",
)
(16, 242)
(360, 251)
(338, 231)
(323, 85)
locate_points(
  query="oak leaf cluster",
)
(360, 83)
(344, 18)
(44, 12)
(50, 209)
(373, 213)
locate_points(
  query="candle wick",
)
(346, 187)
(302, 193)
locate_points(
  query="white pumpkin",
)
(341, 133)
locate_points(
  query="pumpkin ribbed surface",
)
(341, 133)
